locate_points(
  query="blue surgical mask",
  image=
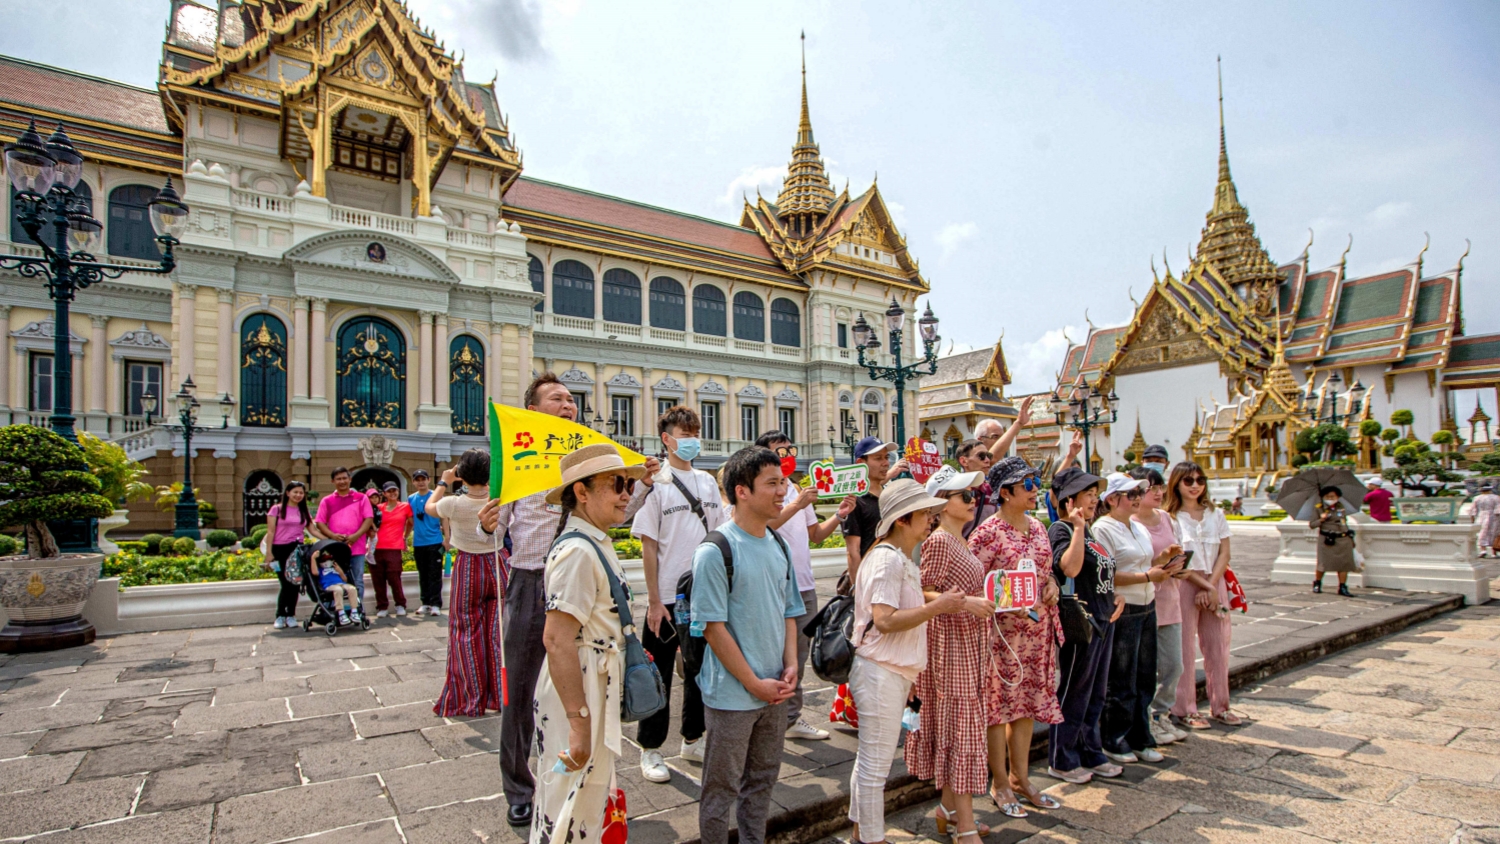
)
(688, 448)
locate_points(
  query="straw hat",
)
(589, 461)
(902, 497)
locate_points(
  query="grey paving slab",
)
(188, 826)
(446, 781)
(330, 703)
(142, 726)
(463, 738)
(288, 813)
(393, 719)
(354, 678)
(213, 782)
(161, 754)
(264, 690)
(201, 717)
(66, 806)
(478, 821)
(337, 760)
(28, 772)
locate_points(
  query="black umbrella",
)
(1300, 494)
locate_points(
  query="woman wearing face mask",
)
(578, 698)
(1335, 540)
(1203, 597)
(948, 747)
(1022, 683)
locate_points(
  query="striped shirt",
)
(532, 524)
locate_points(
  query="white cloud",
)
(953, 235)
(1389, 212)
(1034, 365)
(898, 213)
(748, 180)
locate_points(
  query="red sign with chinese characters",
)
(923, 458)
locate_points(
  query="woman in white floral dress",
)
(578, 699)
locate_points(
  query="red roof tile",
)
(577, 204)
(54, 89)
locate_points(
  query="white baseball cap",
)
(1117, 482)
(949, 479)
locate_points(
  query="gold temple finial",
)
(1130, 291)
(1423, 252)
(1344, 258)
(1155, 279)
(1166, 263)
(1467, 246)
(1309, 244)
(804, 126)
(806, 194)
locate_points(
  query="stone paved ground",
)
(1394, 741)
(249, 734)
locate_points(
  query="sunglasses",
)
(1030, 483)
(985, 456)
(966, 494)
(786, 451)
(1135, 494)
(623, 484)
(1194, 481)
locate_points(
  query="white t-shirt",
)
(795, 532)
(667, 518)
(1203, 537)
(1130, 544)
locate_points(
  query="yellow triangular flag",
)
(527, 447)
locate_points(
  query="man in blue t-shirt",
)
(427, 545)
(750, 669)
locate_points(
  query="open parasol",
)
(1300, 494)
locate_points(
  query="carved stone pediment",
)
(576, 376)
(377, 450)
(788, 395)
(624, 379)
(713, 388)
(141, 343)
(39, 337)
(669, 385)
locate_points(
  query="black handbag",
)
(1077, 621)
(831, 629)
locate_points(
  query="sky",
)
(1037, 156)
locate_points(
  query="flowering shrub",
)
(135, 569)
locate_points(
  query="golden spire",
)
(807, 194)
(1279, 375)
(1229, 241)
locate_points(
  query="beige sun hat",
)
(589, 461)
(902, 497)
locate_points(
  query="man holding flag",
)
(525, 453)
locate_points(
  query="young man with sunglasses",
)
(670, 525)
(799, 526)
(974, 456)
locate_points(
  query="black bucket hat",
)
(1010, 470)
(1071, 481)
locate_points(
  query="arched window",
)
(263, 372)
(18, 234)
(466, 384)
(749, 317)
(262, 492)
(129, 225)
(622, 296)
(786, 323)
(708, 310)
(572, 290)
(371, 374)
(668, 304)
(538, 276)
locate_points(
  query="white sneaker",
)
(805, 731)
(280, 623)
(653, 768)
(435, 610)
(420, 611)
(343, 618)
(692, 750)
(1122, 758)
(1107, 770)
(1150, 754)
(1161, 731)
(381, 613)
(400, 611)
(1077, 776)
(1177, 731)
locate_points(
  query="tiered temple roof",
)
(967, 383)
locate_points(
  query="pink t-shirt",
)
(289, 525)
(344, 514)
(1168, 610)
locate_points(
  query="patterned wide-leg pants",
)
(473, 683)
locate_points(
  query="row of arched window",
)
(666, 300)
(127, 221)
(371, 373)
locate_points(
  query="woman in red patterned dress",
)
(1023, 683)
(949, 744)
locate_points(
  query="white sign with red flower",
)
(838, 481)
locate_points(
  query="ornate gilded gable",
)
(1162, 338)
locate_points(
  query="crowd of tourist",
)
(1131, 579)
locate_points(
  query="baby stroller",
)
(324, 612)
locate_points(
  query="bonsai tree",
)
(1444, 440)
(1416, 468)
(1404, 418)
(1369, 428)
(1324, 442)
(43, 477)
(119, 476)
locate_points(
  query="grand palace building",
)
(365, 265)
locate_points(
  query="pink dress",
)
(998, 546)
(949, 747)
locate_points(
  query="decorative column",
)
(496, 367)
(317, 368)
(5, 363)
(731, 410)
(599, 291)
(97, 357)
(646, 412)
(187, 326)
(547, 285)
(298, 363)
(440, 362)
(526, 362)
(424, 360)
(228, 353)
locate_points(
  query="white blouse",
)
(1203, 537)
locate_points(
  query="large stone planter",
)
(1418, 558)
(116, 520)
(43, 601)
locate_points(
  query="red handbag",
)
(1237, 600)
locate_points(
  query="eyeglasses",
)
(1135, 494)
(786, 451)
(988, 438)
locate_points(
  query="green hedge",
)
(133, 546)
(221, 538)
(628, 549)
(834, 540)
(8, 545)
(153, 542)
(151, 570)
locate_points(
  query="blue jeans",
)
(1085, 675)
(357, 572)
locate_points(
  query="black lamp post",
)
(850, 436)
(43, 174)
(895, 323)
(187, 514)
(1356, 394)
(1085, 411)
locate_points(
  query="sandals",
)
(1011, 809)
(1196, 722)
(943, 819)
(1229, 719)
(1038, 800)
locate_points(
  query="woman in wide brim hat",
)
(578, 698)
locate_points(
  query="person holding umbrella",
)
(1336, 540)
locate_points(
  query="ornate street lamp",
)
(1085, 411)
(186, 513)
(44, 174)
(895, 323)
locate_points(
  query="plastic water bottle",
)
(911, 720)
(682, 611)
(276, 566)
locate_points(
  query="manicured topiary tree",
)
(43, 478)
(1404, 418)
(221, 538)
(153, 543)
